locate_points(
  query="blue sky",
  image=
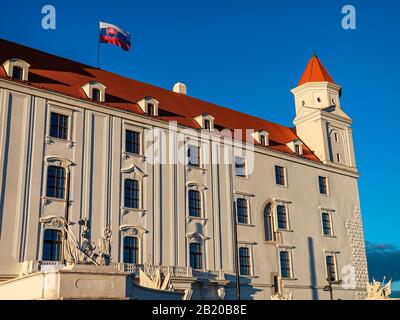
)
(247, 55)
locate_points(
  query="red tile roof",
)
(315, 72)
(64, 76)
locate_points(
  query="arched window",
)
(268, 224)
(51, 245)
(131, 250)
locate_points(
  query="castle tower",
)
(320, 121)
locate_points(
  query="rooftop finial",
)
(314, 55)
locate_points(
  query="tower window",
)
(131, 195)
(331, 268)
(196, 256)
(58, 126)
(55, 182)
(240, 167)
(193, 156)
(280, 176)
(326, 224)
(131, 250)
(286, 270)
(336, 137)
(51, 245)
(338, 157)
(268, 224)
(241, 206)
(282, 217)
(194, 203)
(132, 142)
(17, 73)
(319, 99)
(244, 261)
(323, 185)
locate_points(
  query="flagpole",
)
(98, 47)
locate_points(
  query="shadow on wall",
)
(247, 291)
(313, 274)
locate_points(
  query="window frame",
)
(248, 264)
(134, 191)
(59, 127)
(196, 254)
(136, 249)
(247, 215)
(271, 223)
(326, 185)
(329, 212)
(133, 132)
(56, 186)
(332, 254)
(290, 262)
(244, 167)
(285, 179)
(53, 243)
(193, 146)
(198, 201)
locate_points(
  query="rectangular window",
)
(323, 185)
(132, 142)
(195, 256)
(282, 217)
(280, 176)
(58, 126)
(96, 96)
(286, 270)
(193, 156)
(331, 268)
(338, 157)
(244, 261)
(131, 197)
(207, 125)
(17, 73)
(297, 149)
(55, 182)
(194, 203)
(131, 250)
(262, 140)
(51, 245)
(327, 224)
(150, 109)
(241, 207)
(240, 167)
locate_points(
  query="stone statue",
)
(221, 293)
(285, 296)
(379, 290)
(151, 277)
(188, 294)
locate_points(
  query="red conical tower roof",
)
(315, 72)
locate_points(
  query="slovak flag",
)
(110, 33)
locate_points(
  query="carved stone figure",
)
(379, 290)
(285, 296)
(151, 277)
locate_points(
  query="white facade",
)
(96, 164)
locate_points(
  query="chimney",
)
(180, 87)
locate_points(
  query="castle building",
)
(202, 190)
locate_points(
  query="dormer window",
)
(296, 146)
(149, 106)
(96, 95)
(17, 73)
(17, 69)
(207, 125)
(261, 137)
(150, 109)
(206, 121)
(95, 91)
